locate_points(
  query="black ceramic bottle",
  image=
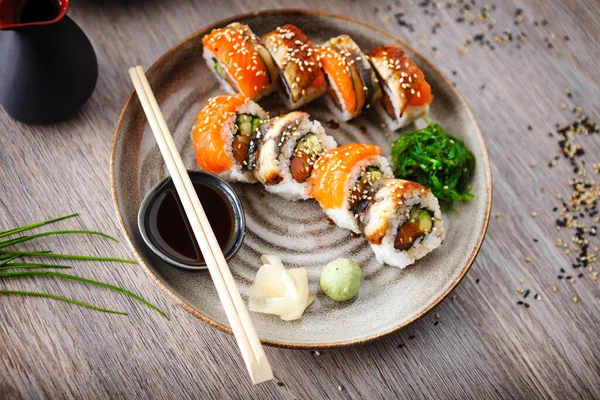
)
(48, 68)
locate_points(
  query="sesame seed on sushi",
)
(352, 82)
(240, 61)
(342, 180)
(290, 145)
(225, 136)
(406, 94)
(402, 222)
(302, 80)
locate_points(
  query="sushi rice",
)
(406, 93)
(295, 56)
(353, 83)
(214, 133)
(343, 216)
(392, 201)
(280, 138)
(240, 61)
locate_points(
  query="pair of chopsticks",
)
(235, 309)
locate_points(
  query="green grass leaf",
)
(66, 256)
(61, 298)
(84, 280)
(7, 260)
(11, 242)
(36, 225)
(32, 265)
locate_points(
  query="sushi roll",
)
(342, 179)
(406, 94)
(352, 82)
(289, 147)
(402, 222)
(225, 136)
(240, 61)
(301, 77)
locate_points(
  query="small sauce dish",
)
(167, 232)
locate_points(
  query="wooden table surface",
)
(485, 345)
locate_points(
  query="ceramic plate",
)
(389, 298)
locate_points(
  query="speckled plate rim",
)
(302, 346)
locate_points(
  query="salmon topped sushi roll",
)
(290, 145)
(301, 77)
(406, 93)
(402, 222)
(240, 61)
(225, 136)
(352, 82)
(342, 179)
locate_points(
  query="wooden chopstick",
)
(252, 351)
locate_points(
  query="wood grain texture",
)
(485, 346)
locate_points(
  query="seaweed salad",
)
(436, 160)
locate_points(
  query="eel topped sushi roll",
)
(301, 77)
(406, 93)
(290, 145)
(342, 180)
(240, 61)
(225, 136)
(402, 222)
(353, 85)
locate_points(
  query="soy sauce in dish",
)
(171, 231)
